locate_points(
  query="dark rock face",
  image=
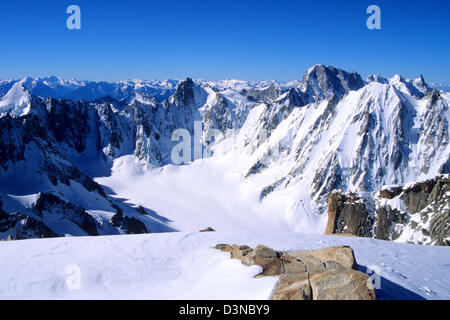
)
(426, 201)
(26, 227)
(50, 204)
(440, 229)
(261, 95)
(386, 218)
(68, 122)
(51, 123)
(11, 146)
(63, 172)
(377, 78)
(320, 80)
(209, 229)
(296, 98)
(420, 195)
(390, 193)
(141, 210)
(184, 94)
(19, 226)
(128, 225)
(347, 215)
(220, 115)
(430, 199)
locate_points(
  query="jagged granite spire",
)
(321, 82)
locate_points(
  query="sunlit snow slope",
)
(184, 266)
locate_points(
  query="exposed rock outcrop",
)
(18, 226)
(415, 213)
(141, 210)
(261, 95)
(50, 207)
(390, 192)
(325, 274)
(347, 214)
(320, 80)
(343, 255)
(128, 225)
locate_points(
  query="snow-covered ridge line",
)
(56, 87)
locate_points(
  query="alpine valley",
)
(96, 158)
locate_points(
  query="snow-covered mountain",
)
(239, 85)
(16, 101)
(45, 87)
(259, 155)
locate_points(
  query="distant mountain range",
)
(90, 90)
(58, 88)
(441, 86)
(129, 89)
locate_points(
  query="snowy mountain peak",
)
(52, 79)
(417, 88)
(420, 79)
(26, 79)
(189, 94)
(397, 78)
(17, 101)
(377, 78)
(321, 82)
(421, 85)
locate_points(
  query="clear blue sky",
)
(212, 39)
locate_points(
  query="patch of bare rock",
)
(325, 274)
(416, 213)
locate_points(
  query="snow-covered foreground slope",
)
(185, 266)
